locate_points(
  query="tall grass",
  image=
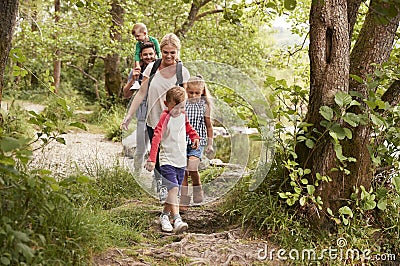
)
(46, 221)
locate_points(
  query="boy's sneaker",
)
(180, 226)
(166, 225)
(163, 194)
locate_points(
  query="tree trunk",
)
(56, 60)
(329, 69)
(373, 46)
(91, 60)
(331, 27)
(8, 13)
(33, 75)
(113, 79)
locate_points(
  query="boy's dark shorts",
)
(172, 176)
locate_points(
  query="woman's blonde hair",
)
(171, 39)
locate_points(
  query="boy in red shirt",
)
(170, 135)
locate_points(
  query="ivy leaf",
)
(352, 119)
(382, 203)
(342, 99)
(396, 183)
(326, 112)
(310, 189)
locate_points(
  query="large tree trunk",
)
(113, 79)
(331, 26)
(373, 46)
(8, 13)
(329, 69)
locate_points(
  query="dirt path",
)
(209, 241)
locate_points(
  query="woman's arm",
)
(137, 100)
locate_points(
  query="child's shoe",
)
(198, 195)
(180, 226)
(166, 225)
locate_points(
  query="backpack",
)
(179, 77)
(141, 113)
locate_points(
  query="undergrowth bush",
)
(109, 119)
(281, 206)
(45, 221)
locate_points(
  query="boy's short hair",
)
(176, 95)
(139, 27)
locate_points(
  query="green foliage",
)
(210, 173)
(370, 215)
(50, 222)
(112, 188)
(109, 119)
(264, 211)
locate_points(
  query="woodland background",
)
(332, 85)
